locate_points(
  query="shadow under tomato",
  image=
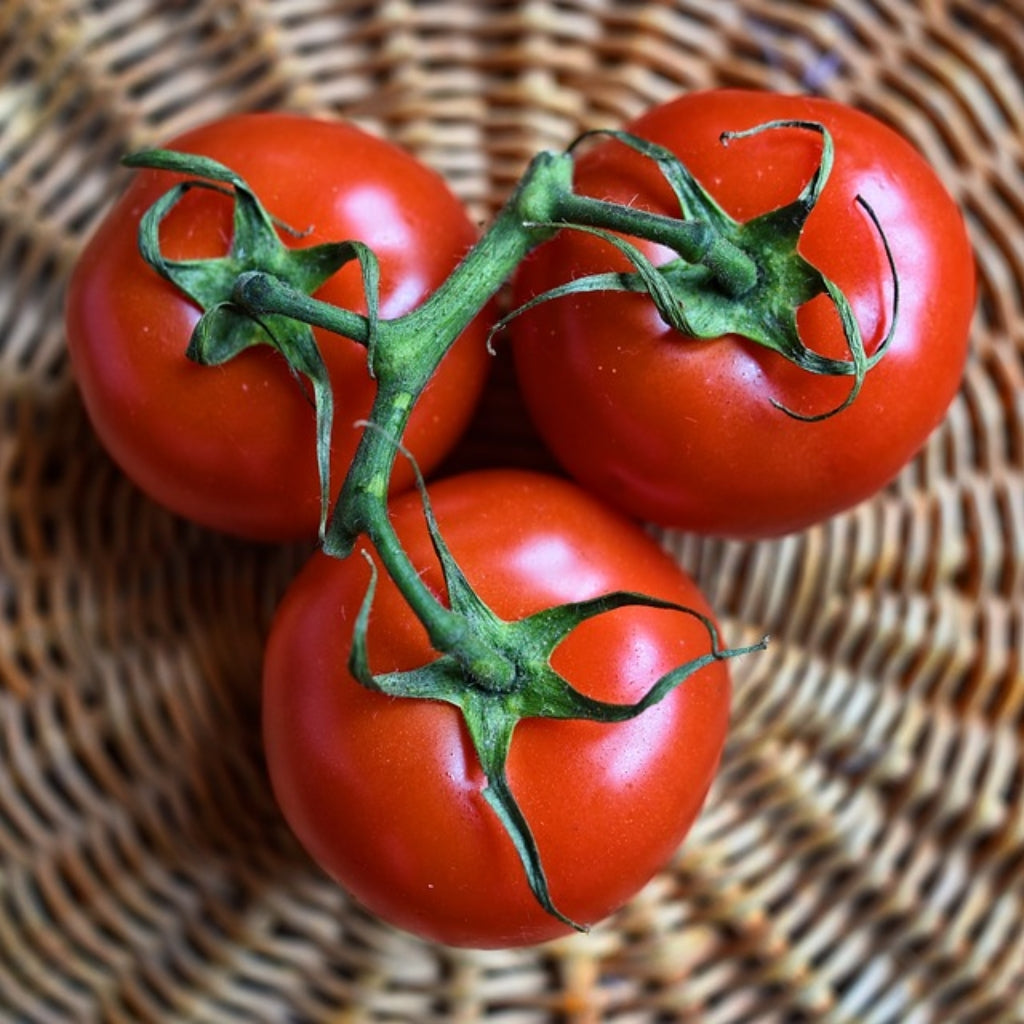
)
(500, 434)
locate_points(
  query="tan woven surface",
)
(862, 856)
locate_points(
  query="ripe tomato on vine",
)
(235, 449)
(389, 795)
(689, 432)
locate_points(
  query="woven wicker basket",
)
(861, 858)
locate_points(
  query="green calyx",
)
(498, 672)
(727, 278)
(226, 328)
(730, 277)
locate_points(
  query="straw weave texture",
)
(861, 858)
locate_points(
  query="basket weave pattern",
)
(861, 858)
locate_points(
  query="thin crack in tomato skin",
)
(609, 803)
(684, 433)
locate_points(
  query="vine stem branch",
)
(727, 278)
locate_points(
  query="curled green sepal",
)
(227, 327)
(490, 725)
(777, 234)
(498, 672)
(685, 291)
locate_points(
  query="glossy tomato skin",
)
(385, 793)
(233, 447)
(683, 432)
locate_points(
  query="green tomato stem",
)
(260, 293)
(404, 354)
(695, 241)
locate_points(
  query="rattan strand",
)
(862, 856)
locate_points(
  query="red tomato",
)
(683, 432)
(386, 793)
(233, 447)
